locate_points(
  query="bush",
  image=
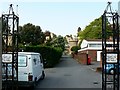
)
(75, 49)
(50, 55)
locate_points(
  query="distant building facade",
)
(48, 35)
(72, 41)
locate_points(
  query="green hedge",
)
(50, 55)
(75, 49)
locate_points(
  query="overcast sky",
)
(61, 18)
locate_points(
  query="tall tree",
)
(94, 30)
(79, 29)
(31, 34)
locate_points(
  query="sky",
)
(59, 17)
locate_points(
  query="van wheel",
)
(35, 82)
(43, 75)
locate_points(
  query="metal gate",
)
(110, 51)
(10, 23)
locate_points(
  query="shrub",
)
(50, 55)
(75, 49)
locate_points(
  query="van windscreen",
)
(22, 61)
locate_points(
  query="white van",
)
(30, 68)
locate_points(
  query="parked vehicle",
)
(30, 68)
(111, 68)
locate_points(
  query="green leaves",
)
(50, 55)
(31, 34)
(93, 30)
(75, 49)
(57, 42)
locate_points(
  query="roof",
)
(30, 53)
(93, 39)
(98, 40)
(86, 44)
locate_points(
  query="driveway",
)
(70, 74)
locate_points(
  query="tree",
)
(57, 42)
(79, 29)
(94, 30)
(60, 42)
(31, 34)
(75, 49)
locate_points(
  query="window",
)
(95, 45)
(35, 61)
(22, 61)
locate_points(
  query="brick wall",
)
(81, 58)
(92, 54)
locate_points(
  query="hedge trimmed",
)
(51, 56)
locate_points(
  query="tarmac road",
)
(70, 74)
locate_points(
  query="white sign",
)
(111, 58)
(7, 58)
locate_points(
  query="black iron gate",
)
(10, 23)
(110, 50)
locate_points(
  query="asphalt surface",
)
(70, 74)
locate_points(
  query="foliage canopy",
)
(31, 34)
(94, 30)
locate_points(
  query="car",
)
(111, 68)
